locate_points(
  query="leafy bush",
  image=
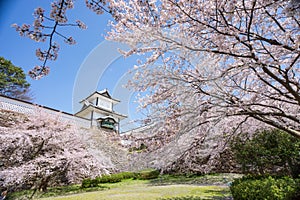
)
(114, 178)
(147, 174)
(88, 183)
(127, 175)
(268, 152)
(266, 188)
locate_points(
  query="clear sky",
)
(89, 55)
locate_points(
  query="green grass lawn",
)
(165, 187)
(146, 190)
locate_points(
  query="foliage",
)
(118, 177)
(127, 175)
(251, 188)
(269, 151)
(147, 174)
(44, 151)
(112, 178)
(89, 183)
(13, 81)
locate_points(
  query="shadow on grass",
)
(171, 180)
(54, 191)
(196, 198)
(191, 180)
(72, 189)
(217, 192)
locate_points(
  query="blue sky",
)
(56, 89)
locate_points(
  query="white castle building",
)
(97, 111)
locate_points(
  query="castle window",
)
(108, 123)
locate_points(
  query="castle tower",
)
(99, 109)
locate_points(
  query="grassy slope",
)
(145, 190)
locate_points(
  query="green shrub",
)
(113, 178)
(127, 175)
(88, 183)
(268, 152)
(268, 188)
(147, 174)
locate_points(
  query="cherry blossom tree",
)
(40, 150)
(209, 61)
(209, 66)
(212, 68)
